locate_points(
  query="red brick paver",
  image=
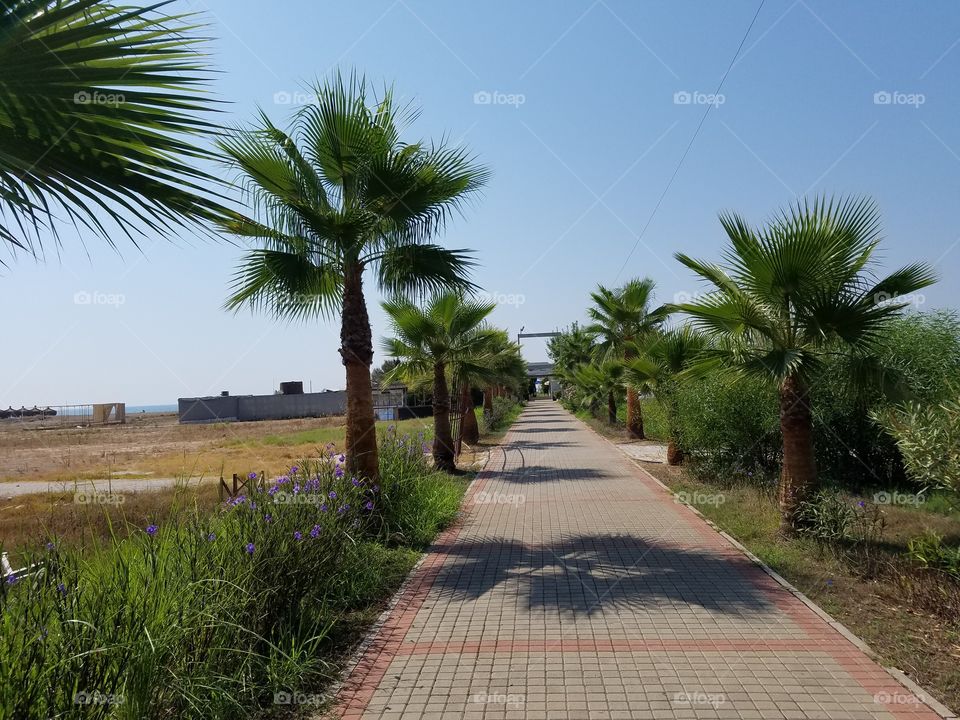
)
(575, 587)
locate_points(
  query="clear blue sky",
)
(578, 167)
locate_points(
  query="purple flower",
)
(62, 589)
(369, 505)
(12, 579)
(297, 535)
(51, 546)
(342, 509)
(253, 505)
(332, 495)
(425, 448)
(338, 472)
(252, 476)
(356, 483)
(250, 548)
(294, 470)
(341, 458)
(152, 530)
(211, 537)
(267, 518)
(324, 507)
(315, 531)
(296, 489)
(861, 504)
(273, 491)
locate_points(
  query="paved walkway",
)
(575, 587)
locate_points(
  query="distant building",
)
(387, 405)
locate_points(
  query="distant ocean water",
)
(151, 409)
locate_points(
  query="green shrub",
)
(928, 438)
(729, 429)
(921, 354)
(827, 517)
(505, 411)
(930, 552)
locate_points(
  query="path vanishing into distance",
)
(574, 586)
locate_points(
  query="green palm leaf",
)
(100, 106)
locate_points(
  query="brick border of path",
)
(865, 673)
(370, 661)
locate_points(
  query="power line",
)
(692, 139)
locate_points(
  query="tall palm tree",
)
(444, 339)
(791, 293)
(622, 317)
(100, 106)
(337, 195)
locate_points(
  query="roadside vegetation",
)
(811, 414)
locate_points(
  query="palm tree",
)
(792, 293)
(338, 195)
(622, 317)
(447, 338)
(657, 364)
(99, 108)
(601, 382)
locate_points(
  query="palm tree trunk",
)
(356, 351)
(611, 408)
(674, 453)
(470, 432)
(798, 477)
(634, 414)
(488, 401)
(442, 439)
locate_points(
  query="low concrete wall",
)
(261, 407)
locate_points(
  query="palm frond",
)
(100, 108)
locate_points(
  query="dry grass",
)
(159, 447)
(29, 521)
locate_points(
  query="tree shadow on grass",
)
(587, 574)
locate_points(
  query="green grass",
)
(323, 435)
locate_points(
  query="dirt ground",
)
(157, 446)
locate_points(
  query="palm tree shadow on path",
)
(587, 574)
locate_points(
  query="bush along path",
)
(575, 587)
